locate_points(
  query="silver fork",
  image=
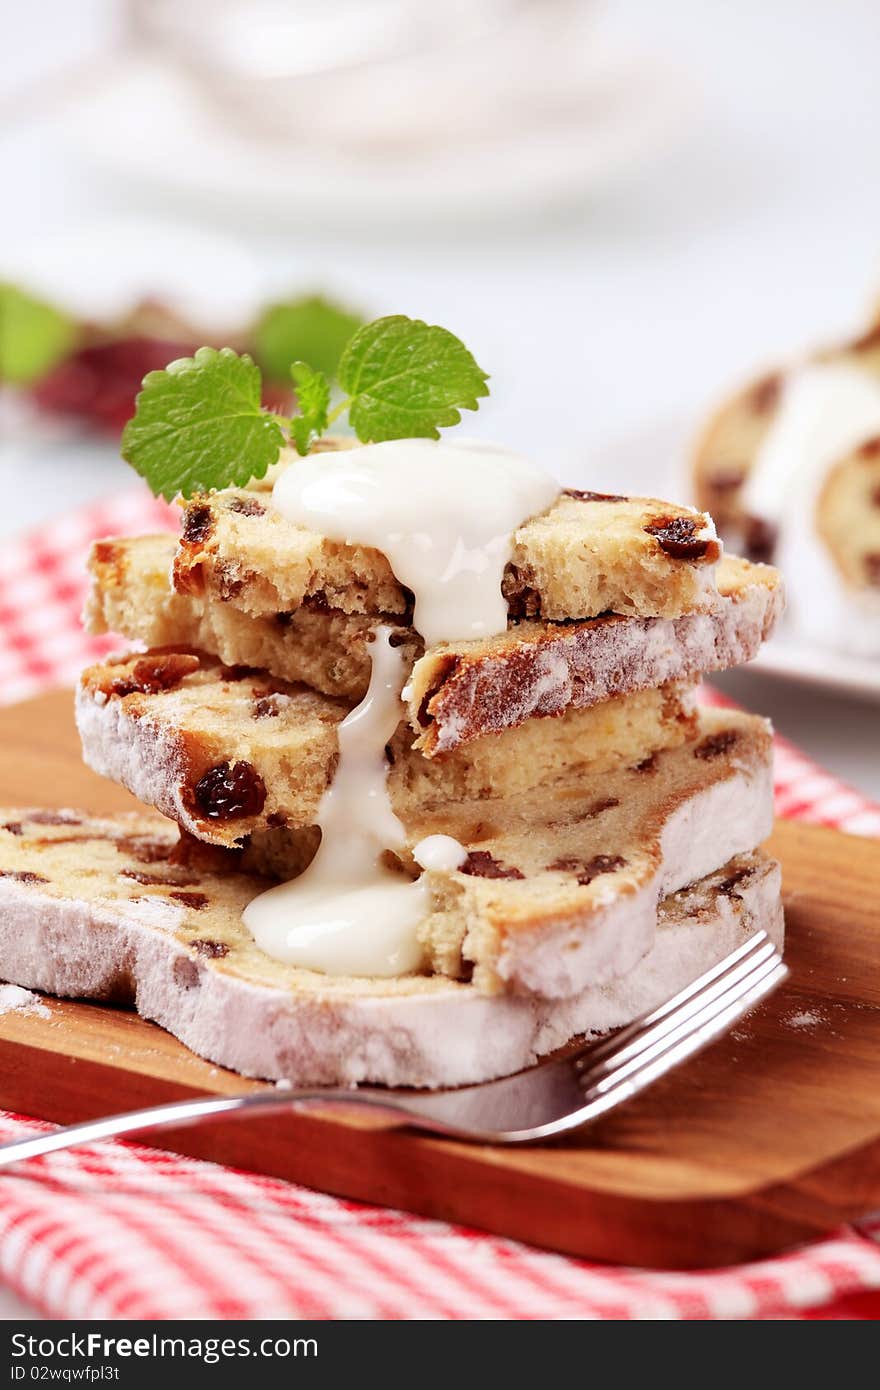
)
(550, 1099)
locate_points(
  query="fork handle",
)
(182, 1113)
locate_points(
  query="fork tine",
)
(594, 1052)
(691, 1042)
(642, 1034)
(690, 1019)
(698, 1031)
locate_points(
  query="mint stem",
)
(338, 410)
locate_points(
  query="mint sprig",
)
(34, 336)
(199, 424)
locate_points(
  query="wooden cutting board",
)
(769, 1138)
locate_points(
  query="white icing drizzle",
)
(444, 514)
(826, 412)
(439, 852)
(349, 914)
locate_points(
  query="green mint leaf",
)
(313, 397)
(33, 336)
(405, 379)
(311, 329)
(198, 425)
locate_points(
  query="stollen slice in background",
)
(790, 467)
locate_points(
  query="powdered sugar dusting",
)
(14, 999)
(587, 663)
(805, 1019)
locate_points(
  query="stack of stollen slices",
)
(607, 826)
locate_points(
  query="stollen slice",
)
(227, 751)
(588, 554)
(97, 908)
(563, 872)
(458, 691)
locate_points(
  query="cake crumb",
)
(14, 999)
(805, 1018)
(282, 1084)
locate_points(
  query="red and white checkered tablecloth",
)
(123, 1231)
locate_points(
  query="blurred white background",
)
(621, 218)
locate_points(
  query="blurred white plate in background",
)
(822, 667)
(150, 127)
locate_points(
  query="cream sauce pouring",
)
(444, 514)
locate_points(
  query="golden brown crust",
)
(727, 447)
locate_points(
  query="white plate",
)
(148, 127)
(820, 667)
